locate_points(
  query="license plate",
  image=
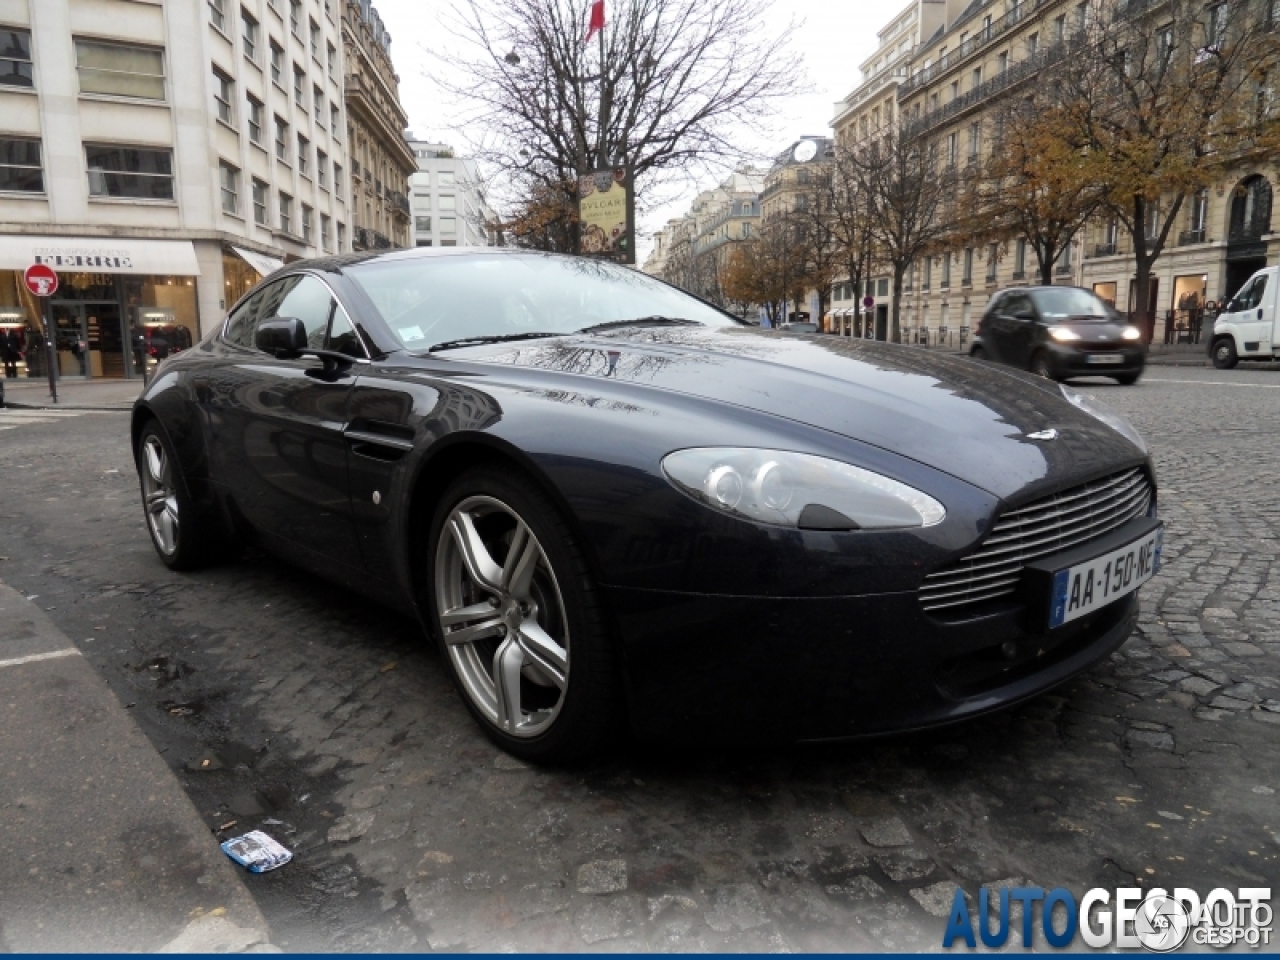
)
(1105, 358)
(1085, 587)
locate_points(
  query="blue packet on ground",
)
(257, 852)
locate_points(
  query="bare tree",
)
(767, 269)
(813, 225)
(909, 200)
(672, 89)
(851, 223)
(1169, 96)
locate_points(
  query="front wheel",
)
(519, 621)
(1041, 366)
(1127, 379)
(182, 536)
(977, 353)
(1224, 354)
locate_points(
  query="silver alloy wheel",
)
(159, 495)
(502, 616)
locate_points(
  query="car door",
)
(991, 328)
(280, 447)
(1254, 315)
(1020, 319)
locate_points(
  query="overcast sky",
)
(834, 36)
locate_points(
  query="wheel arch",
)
(462, 452)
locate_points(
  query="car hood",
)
(957, 415)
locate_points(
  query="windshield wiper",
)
(654, 321)
(495, 338)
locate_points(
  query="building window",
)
(130, 172)
(120, 70)
(1060, 29)
(306, 223)
(342, 236)
(295, 17)
(1020, 260)
(259, 203)
(299, 94)
(229, 178)
(450, 203)
(20, 169)
(322, 168)
(444, 178)
(927, 280)
(223, 91)
(249, 35)
(975, 140)
(282, 141)
(1033, 44)
(337, 179)
(277, 63)
(335, 129)
(448, 224)
(1199, 213)
(422, 224)
(304, 155)
(953, 148)
(1002, 62)
(218, 14)
(332, 61)
(993, 256)
(324, 231)
(255, 121)
(15, 58)
(315, 40)
(1215, 26)
(286, 213)
(967, 277)
(317, 105)
(946, 271)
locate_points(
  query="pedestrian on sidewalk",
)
(10, 351)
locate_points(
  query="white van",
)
(1246, 327)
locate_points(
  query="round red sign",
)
(41, 280)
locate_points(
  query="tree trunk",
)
(1144, 314)
(1046, 263)
(899, 271)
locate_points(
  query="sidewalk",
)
(72, 394)
(100, 848)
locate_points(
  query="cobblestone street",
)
(287, 704)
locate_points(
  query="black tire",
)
(196, 540)
(1041, 366)
(589, 705)
(1127, 379)
(1224, 354)
(977, 353)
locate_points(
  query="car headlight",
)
(1116, 421)
(1132, 333)
(1063, 334)
(798, 490)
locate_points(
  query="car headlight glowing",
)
(1116, 421)
(1063, 334)
(798, 490)
(1132, 333)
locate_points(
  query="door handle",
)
(1259, 313)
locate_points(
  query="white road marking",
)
(11, 418)
(56, 654)
(1217, 383)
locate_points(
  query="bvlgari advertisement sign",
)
(606, 215)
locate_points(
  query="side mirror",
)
(283, 337)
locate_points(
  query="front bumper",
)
(781, 669)
(1073, 360)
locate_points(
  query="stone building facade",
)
(381, 161)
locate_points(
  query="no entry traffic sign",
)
(41, 280)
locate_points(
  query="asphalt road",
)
(287, 704)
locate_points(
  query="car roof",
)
(337, 262)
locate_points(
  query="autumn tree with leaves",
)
(769, 269)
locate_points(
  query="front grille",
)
(1051, 524)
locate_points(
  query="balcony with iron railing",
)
(1249, 231)
(987, 34)
(1104, 250)
(1063, 270)
(1188, 237)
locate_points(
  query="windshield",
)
(1072, 302)
(434, 300)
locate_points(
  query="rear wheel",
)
(1127, 379)
(183, 536)
(1041, 366)
(977, 353)
(1224, 354)
(519, 621)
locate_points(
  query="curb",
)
(100, 408)
(101, 850)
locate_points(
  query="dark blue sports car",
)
(608, 502)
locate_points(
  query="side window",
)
(994, 306)
(1015, 304)
(244, 320)
(342, 335)
(1251, 295)
(303, 297)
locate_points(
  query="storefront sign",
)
(606, 215)
(174, 258)
(41, 280)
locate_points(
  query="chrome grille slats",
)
(1049, 525)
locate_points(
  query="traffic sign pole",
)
(42, 282)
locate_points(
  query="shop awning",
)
(173, 258)
(259, 261)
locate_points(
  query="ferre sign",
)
(72, 259)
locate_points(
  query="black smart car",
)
(1059, 333)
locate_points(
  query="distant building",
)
(162, 158)
(380, 161)
(448, 199)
